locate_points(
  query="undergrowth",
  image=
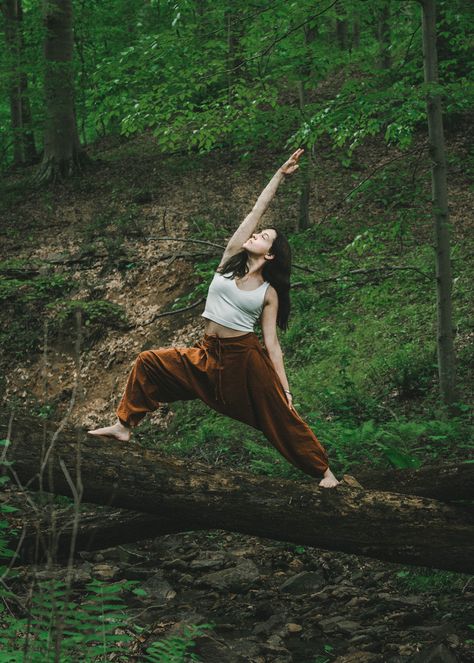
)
(53, 623)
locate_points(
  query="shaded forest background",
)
(136, 135)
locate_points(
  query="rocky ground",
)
(274, 602)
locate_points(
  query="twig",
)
(370, 175)
(370, 270)
(178, 310)
(184, 239)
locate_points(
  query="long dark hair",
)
(277, 271)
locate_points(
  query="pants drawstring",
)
(220, 367)
(215, 340)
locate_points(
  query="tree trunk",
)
(98, 528)
(410, 530)
(383, 34)
(445, 343)
(24, 150)
(62, 155)
(447, 482)
(341, 26)
(307, 72)
(356, 32)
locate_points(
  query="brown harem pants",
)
(234, 376)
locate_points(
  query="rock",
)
(216, 562)
(80, 576)
(235, 579)
(159, 588)
(247, 648)
(212, 650)
(358, 657)
(437, 654)
(339, 623)
(186, 579)
(293, 628)
(296, 565)
(104, 571)
(139, 572)
(176, 563)
(275, 647)
(117, 553)
(267, 627)
(303, 583)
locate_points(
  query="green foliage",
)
(28, 302)
(115, 224)
(24, 302)
(96, 315)
(266, 460)
(5, 551)
(87, 629)
(421, 580)
(409, 372)
(175, 648)
(202, 80)
(35, 291)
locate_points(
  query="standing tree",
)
(341, 26)
(62, 150)
(383, 34)
(24, 150)
(445, 345)
(307, 74)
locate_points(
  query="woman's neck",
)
(255, 266)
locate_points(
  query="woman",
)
(228, 368)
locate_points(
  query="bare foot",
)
(118, 432)
(329, 480)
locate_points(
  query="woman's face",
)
(260, 242)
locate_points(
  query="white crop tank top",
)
(232, 307)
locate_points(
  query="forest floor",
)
(273, 602)
(268, 601)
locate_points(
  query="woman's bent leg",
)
(158, 376)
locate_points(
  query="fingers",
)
(297, 154)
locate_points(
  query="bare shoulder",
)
(271, 297)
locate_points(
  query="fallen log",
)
(38, 539)
(389, 526)
(446, 482)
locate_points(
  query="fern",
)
(82, 631)
(175, 648)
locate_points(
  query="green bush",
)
(408, 372)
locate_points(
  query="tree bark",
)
(24, 150)
(341, 26)
(445, 342)
(102, 528)
(307, 72)
(383, 34)
(444, 482)
(62, 155)
(410, 529)
(98, 528)
(355, 32)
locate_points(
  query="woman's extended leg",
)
(280, 424)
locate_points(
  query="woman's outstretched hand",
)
(291, 165)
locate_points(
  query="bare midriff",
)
(221, 331)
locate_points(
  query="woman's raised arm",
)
(250, 222)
